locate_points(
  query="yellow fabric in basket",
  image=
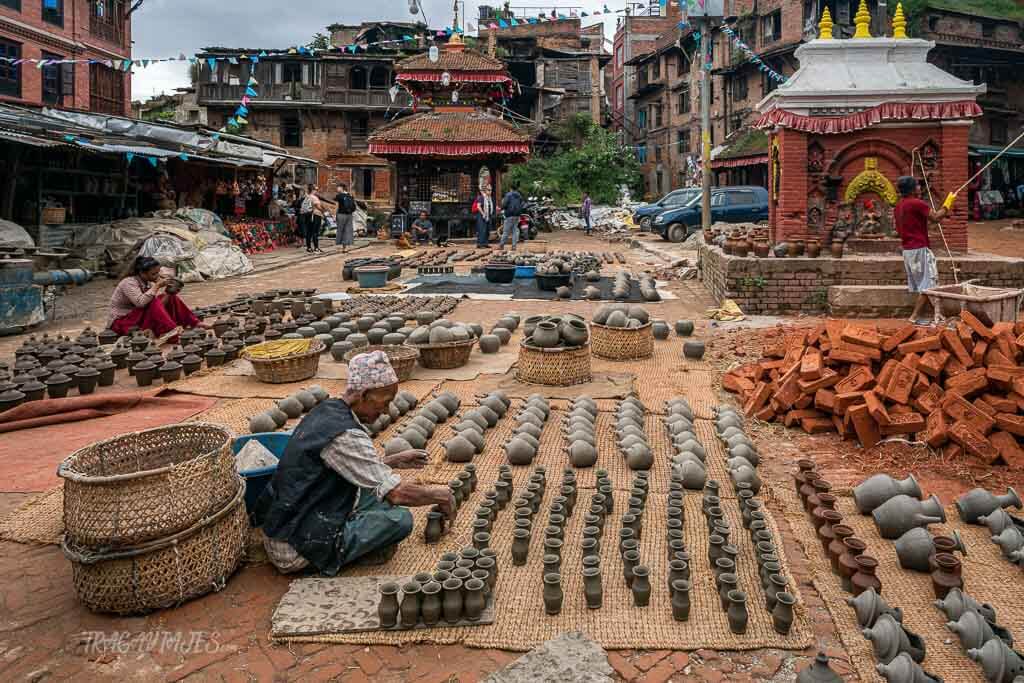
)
(278, 348)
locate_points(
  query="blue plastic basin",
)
(372, 277)
(257, 480)
(526, 271)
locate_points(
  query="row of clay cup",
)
(457, 590)
(631, 525)
(594, 518)
(561, 509)
(678, 558)
(689, 460)
(474, 423)
(526, 505)
(521, 448)
(461, 487)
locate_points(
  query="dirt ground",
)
(994, 237)
(45, 634)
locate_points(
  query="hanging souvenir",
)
(455, 96)
(433, 53)
(446, 79)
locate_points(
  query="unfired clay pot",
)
(877, 489)
(972, 629)
(889, 638)
(1000, 663)
(902, 513)
(957, 602)
(869, 605)
(979, 502)
(903, 669)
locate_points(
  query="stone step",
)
(870, 301)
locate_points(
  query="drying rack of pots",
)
(723, 555)
(635, 573)
(417, 429)
(555, 351)
(288, 408)
(458, 591)
(521, 447)
(579, 429)
(622, 332)
(471, 429)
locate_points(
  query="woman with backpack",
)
(346, 207)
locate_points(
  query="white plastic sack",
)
(167, 249)
(222, 260)
(254, 456)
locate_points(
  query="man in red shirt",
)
(912, 217)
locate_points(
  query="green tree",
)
(588, 159)
(320, 41)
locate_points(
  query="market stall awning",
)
(450, 134)
(985, 151)
(747, 147)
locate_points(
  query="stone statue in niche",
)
(843, 226)
(868, 224)
(815, 212)
(815, 158)
(929, 155)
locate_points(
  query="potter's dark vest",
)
(307, 503)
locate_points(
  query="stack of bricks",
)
(958, 389)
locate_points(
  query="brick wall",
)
(72, 41)
(772, 286)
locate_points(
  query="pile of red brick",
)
(959, 389)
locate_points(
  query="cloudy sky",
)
(165, 28)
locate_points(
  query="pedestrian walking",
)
(483, 209)
(912, 216)
(346, 207)
(299, 199)
(585, 213)
(512, 207)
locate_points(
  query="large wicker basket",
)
(622, 343)
(403, 358)
(288, 368)
(146, 485)
(447, 355)
(560, 367)
(165, 572)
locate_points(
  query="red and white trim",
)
(888, 111)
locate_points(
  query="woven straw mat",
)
(988, 577)
(521, 623)
(38, 521)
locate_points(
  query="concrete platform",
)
(870, 301)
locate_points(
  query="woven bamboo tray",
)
(289, 368)
(558, 367)
(166, 572)
(622, 343)
(403, 358)
(146, 485)
(445, 356)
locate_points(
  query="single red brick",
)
(766, 414)
(1010, 423)
(936, 429)
(1001, 376)
(1002, 327)
(758, 398)
(952, 451)
(811, 365)
(876, 408)
(844, 401)
(973, 442)
(1009, 450)
(961, 410)
(858, 380)
(862, 336)
(792, 358)
(996, 357)
(968, 382)
(984, 406)
(951, 342)
(898, 337)
(804, 401)
(1007, 346)
(829, 378)
(954, 367)
(825, 399)
(789, 390)
(904, 423)
(933, 362)
(929, 400)
(794, 416)
(844, 355)
(816, 425)
(978, 327)
(929, 343)
(840, 424)
(966, 336)
(775, 349)
(978, 354)
(886, 372)
(732, 382)
(900, 384)
(865, 426)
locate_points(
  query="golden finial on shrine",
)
(862, 20)
(825, 25)
(899, 22)
(456, 36)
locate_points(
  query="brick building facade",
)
(66, 29)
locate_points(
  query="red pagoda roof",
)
(449, 134)
(451, 60)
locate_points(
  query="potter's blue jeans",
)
(375, 524)
(483, 231)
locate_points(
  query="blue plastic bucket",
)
(526, 271)
(372, 277)
(257, 480)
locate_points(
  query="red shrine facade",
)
(857, 115)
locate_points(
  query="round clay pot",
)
(946, 575)
(145, 372)
(490, 343)
(57, 385)
(693, 350)
(865, 577)
(813, 248)
(261, 422)
(574, 332)
(836, 249)
(87, 378)
(170, 371)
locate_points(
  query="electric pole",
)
(705, 124)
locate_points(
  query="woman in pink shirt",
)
(142, 301)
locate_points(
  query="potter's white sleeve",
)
(353, 456)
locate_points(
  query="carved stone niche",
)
(832, 184)
(815, 157)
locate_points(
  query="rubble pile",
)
(604, 219)
(959, 389)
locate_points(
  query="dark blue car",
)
(740, 204)
(644, 215)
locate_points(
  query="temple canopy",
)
(450, 134)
